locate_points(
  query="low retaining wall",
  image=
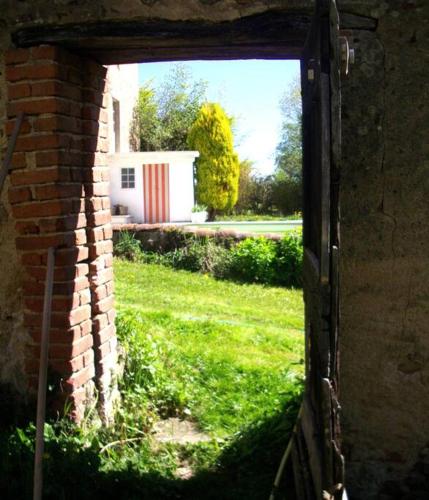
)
(164, 237)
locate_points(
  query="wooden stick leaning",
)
(43, 373)
(10, 149)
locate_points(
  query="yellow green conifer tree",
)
(218, 167)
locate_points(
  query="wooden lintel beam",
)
(272, 34)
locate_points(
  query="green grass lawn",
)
(233, 349)
(228, 357)
(277, 227)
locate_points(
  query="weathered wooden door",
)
(156, 192)
(318, 463)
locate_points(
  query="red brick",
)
(86, 327)
(19, 195)
(84, 297)
(53, 158)
(100, 248)
(104, 305)
(31, 259)
(59, 304)
(66, 367)
(88, 357)
(102, 277)
(41, 242)
(102, 350)
(100, 218)
(95, 234)
(71, 318)
(33, 288)
(19, 91)
(60, 273)
(104, 335)
(57, 89)
(100, 293)
(61, 224)
(66, 256)
(90, 127)
(24, 129)
(110, 287)
(106, 203)
(108, 260)
(41, 71)
(94, 204)
(79, 378)
(100, 322)
(32, 319)
(43, 141)
(97, 189)
(57, 335)
(55, 191)
(42, 209)
(39, 176)
(27, 227)
(71, 350)
(16, 56)
(57, 123)
(18, 161)
(58, 54)
(44, 105)
(111, 315)
(69, 287)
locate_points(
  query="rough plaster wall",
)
(385, 262)
(12, 334)
(123, 85)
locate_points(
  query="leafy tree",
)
(245, 186)
(288, 174)
(163, 116)
(218, 165)
(145, 133)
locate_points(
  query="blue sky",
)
(250, 90)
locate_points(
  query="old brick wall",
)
(58, 193)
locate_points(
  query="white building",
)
(150, 187)
(154, 186)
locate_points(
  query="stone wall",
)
(385, 265)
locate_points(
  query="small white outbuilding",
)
(154, 186)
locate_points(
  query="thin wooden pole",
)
(43, 374)
(285, 457)
(10, 149)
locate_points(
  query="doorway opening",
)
(214, 325)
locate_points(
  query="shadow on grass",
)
(245, 469)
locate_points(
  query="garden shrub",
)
(288, 261)
(253, 260)
(201, 255)
(127, 246)
(257, 259)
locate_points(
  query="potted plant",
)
(199, 214)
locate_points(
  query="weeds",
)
(224, 355)
(258, 259)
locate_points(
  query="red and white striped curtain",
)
(156, 192)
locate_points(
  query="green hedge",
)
(258, 259)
